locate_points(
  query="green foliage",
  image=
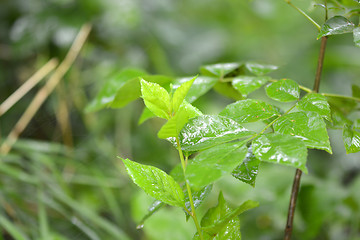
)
(336, 25)
(316, 103)
(285, 90)
(248, 84)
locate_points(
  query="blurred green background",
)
(69, 184)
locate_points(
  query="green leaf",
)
(281, 149)
(200, 86)
(211, 164)
(156, 98)
(355, 89)
(351, 139)
(284, 90)
(336, 25)
(227, 90)
(308, 126)
(180, 94)
(173, 126)
(315, 102)
(260, 69)
(108, 92)
(153, 208)
(219, 69)
(206, 131)
(190, 109)
(13, 230)
(155, 183)
(249, 110)
(145, 115)
(248, 84)
(198, 198)
(356, 35)
(230, 231)
(344, 105)
(248, 169)
(131, 90)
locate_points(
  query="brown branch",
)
(297, 178)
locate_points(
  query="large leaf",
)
(356, 35)
(131, 90)
(219, 69)
(281, 149)
(248, 169)
(308, 126)
(351, 139)
(206, 131)
(248, 84)
(180, 93)
(198, 198)
(200, 86)
(155, 182)
(284, 90)
(249, 110)
(336, 25)
(108, 92)
(211, 164)
(156, 98)
(260, 69)
(316, 103)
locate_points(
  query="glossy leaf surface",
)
(231, 230)
(249, 110)
(200, 86)
(281, 149)
(206, 131)
(260, 69)
(156, 98)
(155, 182)
(351, 139)
(180, 93)
(108, 92)
(356, 35)
(308, 126)
(248, 169)
(316, 103)
(248, 84)
(198, 198)
(336, 25)
(284, 90)
(211, 164)
(219, 69)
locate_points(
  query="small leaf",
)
(198, 198)
(336, 25)
(153, 208)
(156, 98)
(248, 84)
(260, 69)
(308, 126)
(206, 131)
(227, 90)
(155, 182)
(200, 86)
(285, 90)
(219, 69)
(173, 126)
(281, 149)
(351, 139)
(180, 94)
(249, 110)
(315, 102)
(356, 35)
(248, 169)
(145, 115)
(213, 163)
(190, 109)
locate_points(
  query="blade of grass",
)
(11, 228)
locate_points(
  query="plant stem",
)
(192, 213)
(304, 14)
(297, 178)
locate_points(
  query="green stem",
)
(192, 213)
(340, 96)
(304, 14)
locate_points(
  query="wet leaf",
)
(131, 90)
(308, 126)
(108, 92)
(219, 70)
(248, 84)
(153, 208)
(351, 139)
(155, 183)
(248, 169)
(260, 69)
(338, 118)
(213, 163)
(284, 90)
(281, 149)
(200, 86)
(316, 103)
(356, 35)
(198, 198)
(336, 25)
(227, 90)
(156, 98)
(206, 131)
(180, 93)
(249, 110)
